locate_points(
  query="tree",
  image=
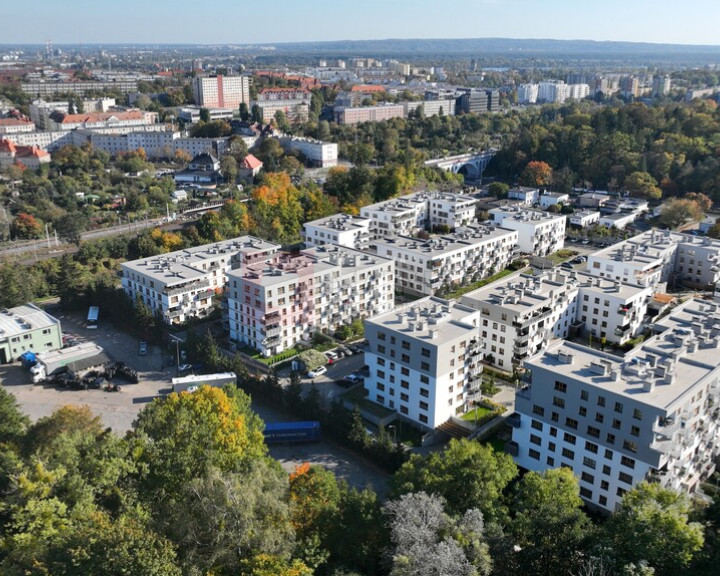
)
(652, 525)
(13, 423)
(467, 474)
(281, 121)
(679, 211)
(229, 168)
(498, 189)
(537, 174)
(714, 231)
(643, 185)
(268, 565)
(244, 112)
(183, 436)
(221, 519)
(358, 434)
(71, 226)
(204, 115)
(549, 525)
(26, 226)
(703, 200)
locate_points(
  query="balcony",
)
(524, 393)
(512, 448)
(624, 310)
(273, 341)
(666, 427)
(188, 288)
(514, 420)
(622, 332)
(272, 331)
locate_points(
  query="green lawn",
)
(357, 396)
(475, 285)
(476, 414)
(562, 255)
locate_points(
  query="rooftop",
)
(340, 222)
(418, 200)
(523, 214)
(657, 373)
(651, 246)
(442, 245)
(21, 319)
(431, 319)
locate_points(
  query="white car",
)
(317, 372)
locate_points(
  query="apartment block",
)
(522, 314)
(419, 211)
(221, 91)
(49, 89)
(347, 115)
(583, 218)
(341, 229)
(274, 305)
(658, 257)
(526, 195)
(539, 233)
(424, 360)
(466, 255)
(548, 199)
(651, 415)
(181, 284)
(316, 152)
(15, 126)
(27, 328)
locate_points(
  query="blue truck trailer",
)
(292, 432)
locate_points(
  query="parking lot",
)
(118, 410)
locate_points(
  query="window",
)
(584, 395)
(601, 401)
(599, 417)
(555, 417)
(423, 418)
(550, 461)
(559, 402)
(616, 424)
(626, 461)
(603, 500)
(637, 414)
(381, 387)
(405, 384)
(634, 431)
(423, 405)
(553, 431)
(537, 425)
(629, 446)
(405, 358)
(381, 349)
(611, 438)
(594, 432)
(589, 478)
(585, 493)
(405, 371)
(380, 399)
(606, 470)
(567, 453)
(539, 410)
(405, 345)
(569, 438)
(534, 454)
(590, 447)
(424, 366)
(618, 407)
(604, 485)
(560, 386)
(582, 411)
(425, 353)
(608, 454)
(624, 477)
(571, 423)
(589, 463)
(403, 410)
(404, 397)
(535, 439)
(424, 393)
(552, 447)
(380, 374)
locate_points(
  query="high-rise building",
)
(221, 91)
(660, 86)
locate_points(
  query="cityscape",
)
(293, 302)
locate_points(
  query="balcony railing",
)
(514, 420)
(188, 288)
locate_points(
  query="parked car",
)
(332, 356)
(143, 350)
(355, 349)
(566, 265)
(354, 377)
(347, 351)
(185, 368)
(317, 372)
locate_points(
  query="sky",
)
(276, 21)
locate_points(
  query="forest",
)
(192, 490)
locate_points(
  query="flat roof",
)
(195, 378)
(525, 214)
(340, 222)
(660, 371)
(183, 265)
(430, 319)
(22, 319)
(416, 199)
(461, 239)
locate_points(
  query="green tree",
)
(466, 474)
(281, 121)
(244, 112)
(71, 226)
(13, 423)
(229, 168)
(643, 185)
(204, 115)
(358, 433)
(549, 525)
(653, 524)
(183, 436)
(679, 211)
(498, 189)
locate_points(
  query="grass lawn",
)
(475, 285)
(497, 444)
(476, 413)
(357, 396)
(562, 255)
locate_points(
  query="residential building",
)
(193, 146)
(419, 211)
(293, 102)
(62, 121)
(221, 91)
(520, 315)
(317, 153)
(274, 305)
(15, 126)
(527, 93)
(649, 416)
(347, 115)
(477, 101)
(592, 200)
(661, 86)
(203, 169)
(619, 221)
(30, 157)
(250, 167)
(40, 110)
(469, 254)
(657, 257)
(548, 199)
(539, 233)
(528, 196)
(340, 229)
(49, 89)
(583, 218)
(424, 360)
(27, 328)
(431, 107)
(180, 285)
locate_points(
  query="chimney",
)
(433, 333)
(649, 385)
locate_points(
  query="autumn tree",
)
(643, 185)
(679, 211)
(276, 208)
(537, 174)
(703, 200)
(26, 226)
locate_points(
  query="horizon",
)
(164, 22)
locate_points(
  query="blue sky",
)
(257, 21)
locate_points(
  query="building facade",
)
(221, 91)
(424, 360)
(273, 306)
(180, 285)
(539, 233)
(27, 329)
(616, 422)
(317, 153)
(340, 229)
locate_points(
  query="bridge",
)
(471, 165)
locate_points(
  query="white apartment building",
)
(619, 221)
(221, 91)
(317, 153)
(527, 93)
(346, 115)
(181, 284)
(431, 107)
(15, 126)
(191, 114)
(583, 218)
(40, 110)
(548, 199)
(539, 233)
(294, 110)
(652, 415)
(528, 196)
(419, 211)
(275, 305)
(656, 257)
(522, 314)
(467, 255)
(424, 360)
(340, 229)
(49, 89)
